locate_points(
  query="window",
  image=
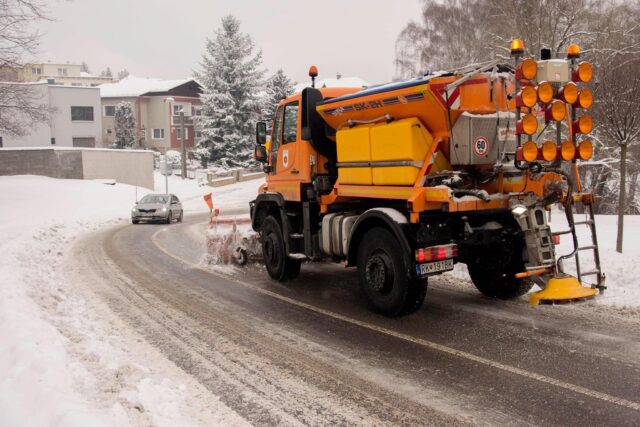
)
(82, 114)
(198, 134)
(108, 131)
(158, 133)
(36, 71)
(76, 84)
(84, 142)
(109, 110)
(53, 141)
(0, 142)
(179, 132)
(177, 108)
(290, 127)
(276, 137)
(184, 107)
(197, 111)
(62, 71)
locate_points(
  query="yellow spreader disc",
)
(562, 289)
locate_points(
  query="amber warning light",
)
(313, 73)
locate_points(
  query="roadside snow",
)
(59, 357)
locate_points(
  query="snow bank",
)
(61, 363)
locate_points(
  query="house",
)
(157, 104)
(59, 74)
(75, 117)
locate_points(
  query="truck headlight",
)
(164, 209)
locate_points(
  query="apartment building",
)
(157, 104)
(75, 118)
(59, 74)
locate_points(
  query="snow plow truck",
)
(403, 180)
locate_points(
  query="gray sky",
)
(166, 38)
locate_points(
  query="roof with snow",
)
(132, 86)
(335, 82)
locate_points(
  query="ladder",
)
(587, 201)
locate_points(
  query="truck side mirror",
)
(261, 133)
(260, 153)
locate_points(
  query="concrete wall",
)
(134, 167)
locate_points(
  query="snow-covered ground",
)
(59, 347)
(58, 352)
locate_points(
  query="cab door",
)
(286, 161)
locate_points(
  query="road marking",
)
(420, 341)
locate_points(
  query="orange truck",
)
(405, 179)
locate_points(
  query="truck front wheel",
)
(383, 275)
(279, 265)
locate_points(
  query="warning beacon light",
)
(313, 73)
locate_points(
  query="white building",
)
(76, 120)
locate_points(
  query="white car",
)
(157, 208)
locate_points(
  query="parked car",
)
(157, 207)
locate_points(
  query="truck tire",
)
(279, 266)
(494, 276)
(383, 275)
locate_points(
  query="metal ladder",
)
(587, 200)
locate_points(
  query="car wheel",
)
(180, 217)
(168, 220)
(135, 221)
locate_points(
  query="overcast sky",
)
(166, 38)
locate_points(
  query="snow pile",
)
(65, 359)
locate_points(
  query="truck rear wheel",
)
(279, 266)
(383, 275)
(494, 276)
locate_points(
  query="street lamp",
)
(183, 145)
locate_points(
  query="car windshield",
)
(155, 198)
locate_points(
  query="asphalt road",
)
(311, 353)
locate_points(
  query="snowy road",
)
(311, 352)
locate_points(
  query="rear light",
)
(585, 98)
(530, 151)
(527, 125)
(584, 72)
(549, 151)
(556, 239)
(556, 111)
(527, 70)
(437, 253)
(569, 93)
(583, 125)
(567, 150)
(527, 97)
(585, 150)
(545, 92)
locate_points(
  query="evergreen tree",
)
(231, 81)
(123, 74)
(106, 73)
(84, 68)
(125, 125)
(278, 87)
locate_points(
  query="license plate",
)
(434, 267)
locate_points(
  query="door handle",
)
(295, 171)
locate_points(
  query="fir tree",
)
(125, 125)
(231, 81)
(84, 68)
(278, 86)
(123, 74)
(107, 73)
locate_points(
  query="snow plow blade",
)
(230, 240)
(562, 289)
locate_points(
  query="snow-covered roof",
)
(85, 74)
(334, 82)
(135, 86)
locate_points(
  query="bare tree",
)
(20, 105)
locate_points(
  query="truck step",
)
(296, 235)
(587, 248)
(297, 256)
(588, 222)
